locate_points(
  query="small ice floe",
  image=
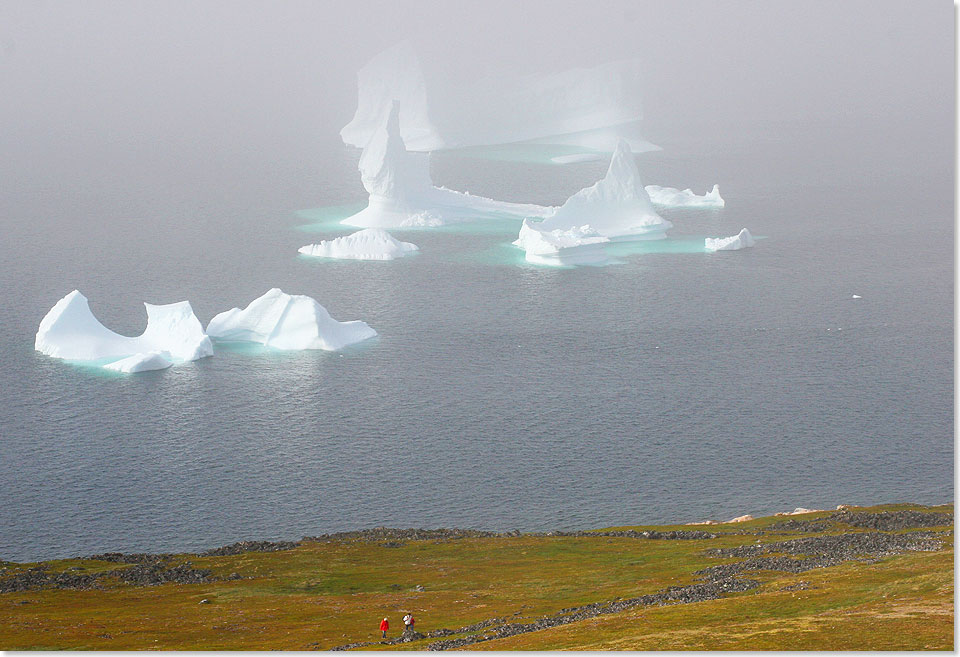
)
(741, 240)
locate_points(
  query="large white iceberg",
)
(741, 240)
(616, 207)
(675, 198)
(587, 106)
(402, 194)
(174, 334)
(366, 244)
(285, 321)
(576, 246)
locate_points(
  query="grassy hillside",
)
(869, 578)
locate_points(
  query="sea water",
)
(674, 385)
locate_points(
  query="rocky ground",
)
(723, 579)
(473, 589)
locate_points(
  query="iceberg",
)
(598, 142)
(616, 207)
(675, 198)
(366, 244)
(576, 157)
(285, 321)
(401, 194)
(741, 240)
(576, 246)
(583, 106)
(71, 332)
(154, 360)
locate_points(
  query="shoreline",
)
(394, 536)
(860, 574)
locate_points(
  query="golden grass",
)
(324, 594)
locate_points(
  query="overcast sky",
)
(132, 79)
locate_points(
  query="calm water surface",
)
(674, 386)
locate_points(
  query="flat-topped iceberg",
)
(401, 194)
(584, 105)
(576, 246)
(741, 240)
(616, 207)
(576, 158)
(675, 198)
(366, 244)
(285, 321)
(174, 334)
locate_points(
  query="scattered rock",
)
(38, 578)
(155, 574)
(383, 534)
(794, 525)
(841, 547)
(884, 521)
(137, 557)
(249, 546)
(204, 602)
(893, 520)
(675, 595)
(410, 634)
(716, 581)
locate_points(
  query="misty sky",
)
(101, 85)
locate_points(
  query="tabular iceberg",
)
(741, 240)
(285, 321)
(616, 207)
(587, 106)
(366, 244)
(70, 331)
(402, 194)
(675, 198)
(577, 246)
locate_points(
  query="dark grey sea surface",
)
(672, 387)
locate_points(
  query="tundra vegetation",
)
(878, 578)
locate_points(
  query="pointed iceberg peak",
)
(623, 171)
(617, 206)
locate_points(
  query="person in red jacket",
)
(384, 626)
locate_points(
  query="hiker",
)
(407, 622)
(384, 626)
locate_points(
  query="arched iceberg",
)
(285, 321)
(401, 194)
(591, 107)
(173, 334)
(366, 244)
